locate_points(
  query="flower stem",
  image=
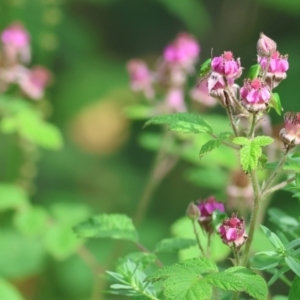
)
(254, 216)
(230, 115)
(279, 186)
(197, 238)
(252, 126)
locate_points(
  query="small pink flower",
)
(227, 66)
(206, 208)
(255, 95)
(290, 134)
(175, 100)
(265, 46)
(184, 50)
(232, 231)
(201, 95)
(15, 40)
(276, 67)
(33, 82)
(141, 78)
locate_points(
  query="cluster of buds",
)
(172, 70)
(15, 54)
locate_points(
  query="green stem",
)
(285, 280)
(279, 186)
(254, 216)
(230, 115)
(252, 126)
(225, 143)
(197, 238)
(236, 255)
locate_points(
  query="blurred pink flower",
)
(175, 100)
(140, 77)
(290, 134)
(201, 95)
(255, 95)
(15, 40)
(232, 231)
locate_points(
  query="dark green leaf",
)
(277, 274)
(294, 293)
(293, 264)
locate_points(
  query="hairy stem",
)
(230, 115)
(279, 186)
(254, 216)
(197, 238)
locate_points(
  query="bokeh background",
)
(86, 44)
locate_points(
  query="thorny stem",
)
(276, 171)
(197, 238)
(230, 114)
(254, 216)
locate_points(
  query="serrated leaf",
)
(254, 71)
(113, 226)
(174, 245)
(182, 122)
(213, 144)
(8, 291)
(276, 103)
(249, 155)
(240, 279)
(241, 141)
(263, 140)
(293, 264)
(294, 293)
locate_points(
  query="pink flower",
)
(265, 46)
(201, 95)
(15, 40)
(290, 134)
(33, 82)
(275, 66)
(184, 50)
(175, 100)
(232, 231)
(255, 95)
(140, 76)
(206, 208)
(227, 66)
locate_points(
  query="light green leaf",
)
(32, 221)
(174, 244)
(139, 111)
(8, 291)
(205, 68)
(241, 141)
(240, 279)
(263, 140)
(12, 196)
(183, 122)
(254, 71)
(276, 103)
(273, 238)
(293, 264)
(249, 156)
(113, 226)
(142, 259)
(294, 293)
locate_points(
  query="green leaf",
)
(12, 196)
(273, 238)
(241, 141)
(276, 103)
(61, 242)
(240, 279)
(293, 264)
(294, 293)
(8, 291)
(174, 245)
(32, 221)
(213, 144)
(249, 156)
(182, 122)
(281, 218)
(254, 71)
(277, 274)
(263, 140)
(113, 226)
(139, 111)
(142, 259)
(205, 68)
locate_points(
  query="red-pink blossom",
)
(290, 134)
(255, 94)
(232, 231)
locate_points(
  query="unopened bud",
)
(265, 46)
(192, 211)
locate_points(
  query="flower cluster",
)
(15, 54)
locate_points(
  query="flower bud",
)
(255, 95)
(206, 208)
(290, 134)
(232, 231)
(192, 211)
(265, 46)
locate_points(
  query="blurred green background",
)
(86, 44)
